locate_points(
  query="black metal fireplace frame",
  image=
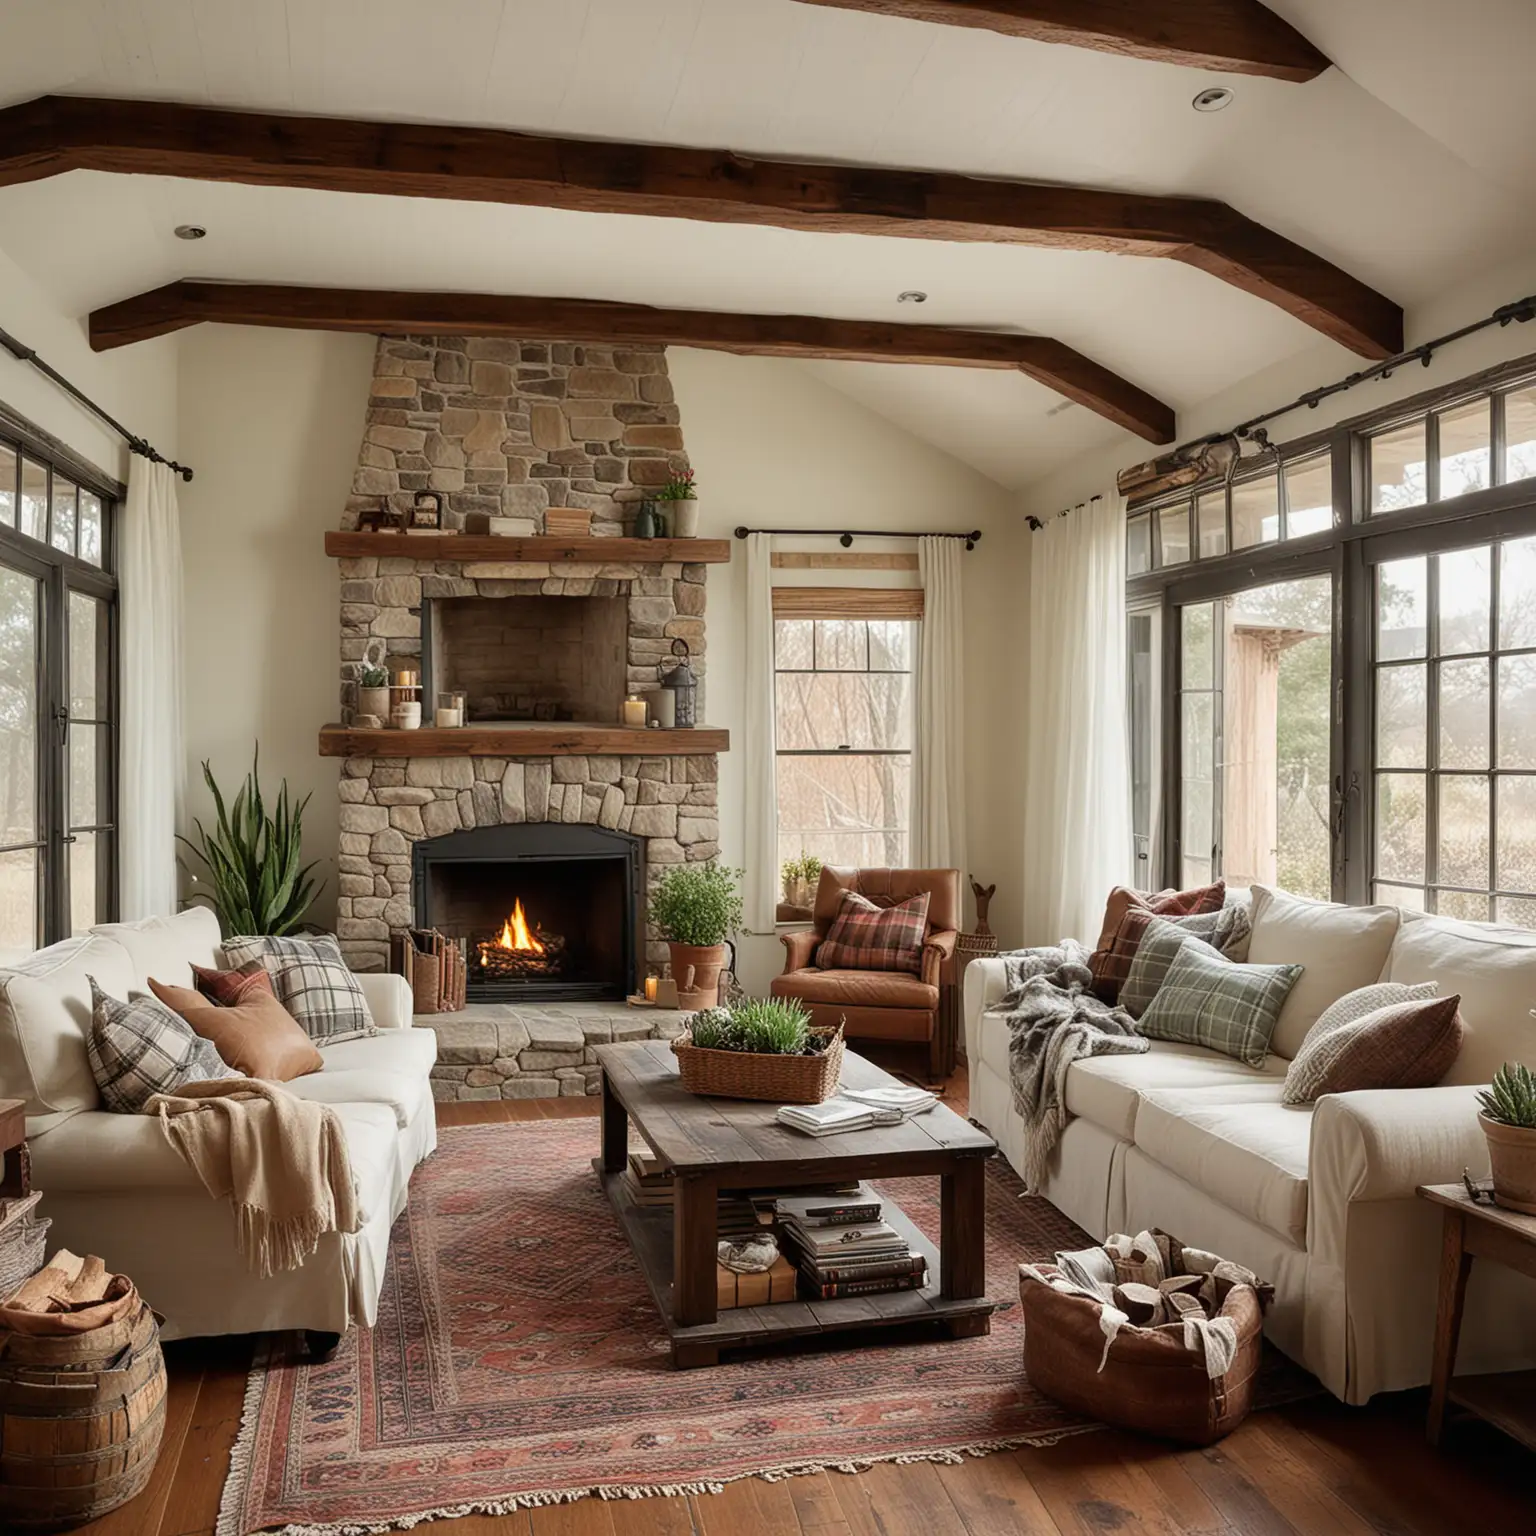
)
(541, 843)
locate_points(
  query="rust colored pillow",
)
(1403, 1045)
(227, 988)
(1203, 898)
(258, 1037)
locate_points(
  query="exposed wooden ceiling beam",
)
(1069, 373)
(1239, 37)
(55, 134)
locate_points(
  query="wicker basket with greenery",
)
(763, 1048)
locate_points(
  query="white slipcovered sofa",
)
(114, 1186)
(1317, 1198)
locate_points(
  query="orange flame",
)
(515, 933)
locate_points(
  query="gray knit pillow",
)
(141, 1048)
(1206, 1000)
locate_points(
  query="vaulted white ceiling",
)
(1406, 166)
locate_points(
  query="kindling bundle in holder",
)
(1146, 1333)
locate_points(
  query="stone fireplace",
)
(544, 798)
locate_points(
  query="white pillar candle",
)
(446, 718)
(634, 712)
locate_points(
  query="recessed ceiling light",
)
(190, 231)
(1212, 99)
(912, 296)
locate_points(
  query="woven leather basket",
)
(748, 1075)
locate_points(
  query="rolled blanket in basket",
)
(280, 1161)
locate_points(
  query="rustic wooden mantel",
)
(492, 547)
(530, 740)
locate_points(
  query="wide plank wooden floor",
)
(1312, 1469)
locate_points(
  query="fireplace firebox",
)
(542, 911)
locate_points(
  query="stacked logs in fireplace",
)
(498, 963)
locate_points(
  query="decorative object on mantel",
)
(489, 524)
(1508, 1117)
(681, 683)
(426, 513)
(252, 858)
(763, 1048)
(662, 703)
(847, 536)
(647, 523)
(405, 700)
(634, 712)
(373, 683)
(567, 522)
(344, 545)
(380, 519)
(682, 500)
(450, 712)
(696, 908)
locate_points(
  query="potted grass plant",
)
(760, 1048)
(1508, 1117)
(696, 908)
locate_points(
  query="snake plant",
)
(259, 885)
(1512, 1098)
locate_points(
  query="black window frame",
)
(61, 574)
(1359, 540)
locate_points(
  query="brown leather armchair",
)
(882, 1005)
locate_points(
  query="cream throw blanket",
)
(280, 1161)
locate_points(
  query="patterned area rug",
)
(518, 1360)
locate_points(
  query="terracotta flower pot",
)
(696, 970)
(1512, 1151)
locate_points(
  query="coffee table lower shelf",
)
(649, 1230)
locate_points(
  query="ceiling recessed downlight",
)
(912, 296)
(190, 231)
(1212, 99)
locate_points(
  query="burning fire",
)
(515, 933)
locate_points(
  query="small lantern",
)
(427, 512)
(683, 686)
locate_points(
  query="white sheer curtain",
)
(938, 762)
(1077, 832)
(762, 835)
(153, 765)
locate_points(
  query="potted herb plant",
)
(1509, 1122)
(696, 908)
(760, 1048)
(681, 496)
(801, 877)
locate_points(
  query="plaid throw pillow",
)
(312, 982)
(141, 1048)
(1162, 941)
(1206, 1000)
(1227, 929)
(1122, 899)
(864, 937)
(1405, 1041)
(229, 989)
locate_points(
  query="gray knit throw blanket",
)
(1055, 1019)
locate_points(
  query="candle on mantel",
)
(650, 989)
(447, 718)
(634, 712)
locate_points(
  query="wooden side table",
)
(1505, 1398)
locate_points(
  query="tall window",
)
(844, 700)
(1348, 703)
(57, 696)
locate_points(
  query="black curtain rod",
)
(136, 444)
(845, 539)
(1035, 525)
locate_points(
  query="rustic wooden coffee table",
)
(736, 1144)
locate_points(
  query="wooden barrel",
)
(80, 1421)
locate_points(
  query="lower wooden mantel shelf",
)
(532, 740)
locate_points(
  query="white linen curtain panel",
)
(938, 761)
(762, 835)
(1077, 818)
(153, 766)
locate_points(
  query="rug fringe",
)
(230, 1524)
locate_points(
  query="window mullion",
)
(1432, 731)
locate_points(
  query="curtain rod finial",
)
(742, 531)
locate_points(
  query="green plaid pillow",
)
(1206, 1000)
(1159, 945)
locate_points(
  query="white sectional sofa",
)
(113, 1185)
(1318, 1199)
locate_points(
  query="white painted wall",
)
(272, 421)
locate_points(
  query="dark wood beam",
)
(1052, 363)
(55, 134)
(1238, 37)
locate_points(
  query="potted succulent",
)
(760, 1048)
(696, 908)
(373, 685)
(801, 877)
(682, 498)
(1509, 1122)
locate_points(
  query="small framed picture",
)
(427, 511)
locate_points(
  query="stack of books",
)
(842, 1247)
(647, 1181)
(857, 1109)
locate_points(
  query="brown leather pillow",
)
(226, 988)
(258, 1036)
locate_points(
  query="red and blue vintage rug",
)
(518, 1360)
